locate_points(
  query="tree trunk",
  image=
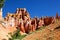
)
(0, 13)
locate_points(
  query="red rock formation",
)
(57, 16)
(29, 24)
(41, 22)
(47, 20)
(33, 23)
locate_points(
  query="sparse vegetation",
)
(36, 38)
(17, 36)
(42, 27)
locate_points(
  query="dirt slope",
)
(49, 33)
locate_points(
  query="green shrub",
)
(17, 35)
(1, 3)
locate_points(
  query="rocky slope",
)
(51, 32)
(4, 32)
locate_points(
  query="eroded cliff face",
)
(24, 17)
(4, 31)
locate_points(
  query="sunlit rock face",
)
(6, 29)
(3, 32)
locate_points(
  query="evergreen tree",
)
(1, 3)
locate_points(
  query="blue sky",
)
(34, 7)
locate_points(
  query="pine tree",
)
(1, 3)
